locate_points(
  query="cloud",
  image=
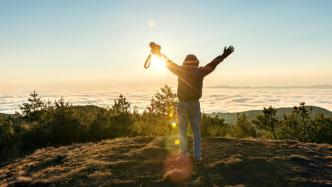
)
(213, 100)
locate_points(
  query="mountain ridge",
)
(231, 117)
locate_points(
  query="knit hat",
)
(191, 60)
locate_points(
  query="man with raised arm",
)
(189, 91)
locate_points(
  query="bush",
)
(214, 126)
(322, 131)
(268, 121)
(243, 127)
(298, 124)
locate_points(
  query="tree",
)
(121, 117)
(164, 102)
(268, 121)
(322, 129)
(121, 105)
(243, 127)
(32, 109)
(214, 126)
(304, 114)
(299, 124)
(163, 109)
(64, 125)
(7, 134)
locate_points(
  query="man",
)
(189, 91)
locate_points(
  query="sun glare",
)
(173, 124)
(157, 64)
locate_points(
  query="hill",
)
(2, 115)
(230, 117)
(149, 161)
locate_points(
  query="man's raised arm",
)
(216, 61)
(173, 67)
(155, 49)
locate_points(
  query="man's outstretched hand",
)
(155, 48)
(227, 51)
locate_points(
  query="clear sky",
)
(100, 42)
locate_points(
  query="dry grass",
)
(149, 161)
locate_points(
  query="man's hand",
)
(227, 52)
(155, 48)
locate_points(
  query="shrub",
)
(268, 121)
(243, 127)
(214, 126)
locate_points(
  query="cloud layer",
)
(213, 100)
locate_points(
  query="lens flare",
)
(173, 124)
(157, 64)
(177, 142)
(178, 169)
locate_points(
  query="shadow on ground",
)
(150, 161)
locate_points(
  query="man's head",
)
(191, 60)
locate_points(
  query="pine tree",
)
(268, 121)
(30, 110)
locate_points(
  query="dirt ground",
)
(150, 161)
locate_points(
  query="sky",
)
(104, 43)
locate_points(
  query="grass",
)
(149, 161)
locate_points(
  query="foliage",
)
(160, 114)
(32, 109)
(299, 124)
(214, 126)
(42, 124)
(322, 130)
(121, 105)
(243, 127)
(7, 134)
(163, 103)
(268, 121)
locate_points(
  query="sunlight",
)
(151, 23)
(178, 171)
(157, 64)
(173, 124)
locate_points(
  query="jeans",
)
(190, 112)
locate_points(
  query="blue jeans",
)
(190, 112)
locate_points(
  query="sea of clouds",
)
(215, 99)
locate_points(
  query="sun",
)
(157, 64)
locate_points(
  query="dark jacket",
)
(190, 78)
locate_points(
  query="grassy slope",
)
(251, 114)
(147, 160)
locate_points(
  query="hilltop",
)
(148, 161)
(230, 117)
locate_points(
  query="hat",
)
(191, 60)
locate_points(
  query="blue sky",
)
(106, 42)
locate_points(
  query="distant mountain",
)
(324, 86)
(251, 114)
(7, 115)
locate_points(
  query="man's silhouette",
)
(189, 91)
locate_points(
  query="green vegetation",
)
(42, 124)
